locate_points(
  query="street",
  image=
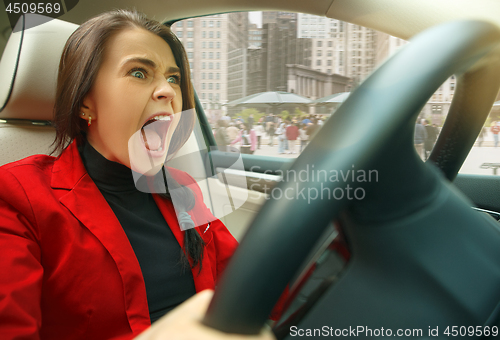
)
(477, 156)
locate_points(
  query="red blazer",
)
(67, 269)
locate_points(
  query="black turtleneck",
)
(168, 281)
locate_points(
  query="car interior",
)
(421, 250)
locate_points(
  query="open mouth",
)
(154, 133)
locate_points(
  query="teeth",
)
(159, 149)
(164, 117)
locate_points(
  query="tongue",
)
(151, 138)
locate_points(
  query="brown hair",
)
(81, 59)
(80, 62)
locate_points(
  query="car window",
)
(283, 74)
(269, 69)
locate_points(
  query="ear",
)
(88, 108)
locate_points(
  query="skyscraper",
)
(205, 41)
(254, 36)
(339, 47)
(237, 41)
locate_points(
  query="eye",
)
(175, 79)
(138, 73)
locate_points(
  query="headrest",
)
(29, 65)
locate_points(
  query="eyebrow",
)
(150, 63)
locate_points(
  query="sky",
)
(255, 18)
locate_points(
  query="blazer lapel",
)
(87, 204)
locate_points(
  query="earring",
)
(90, 120)
(83, 114)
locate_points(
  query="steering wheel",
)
(418, 251)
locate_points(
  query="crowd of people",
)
(426, 135)
(249, 135)
(291, 135)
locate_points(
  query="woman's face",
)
(135, 102)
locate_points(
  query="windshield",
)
(283, 75)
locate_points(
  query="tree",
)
(284, 114)
(247, 112)
(300, 114)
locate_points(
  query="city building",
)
(256, 70)
(205, 40)
(274, 17)
(315, 84)
(324, 57)
(386, 46)
(267, 67)
(237, 41)
(313, 26)
(313, 56)
(254, 36)
(339, 47)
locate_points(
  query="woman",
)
(88, 256)
(248, 139)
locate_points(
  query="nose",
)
(164, 91)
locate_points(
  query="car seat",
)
(28, 70)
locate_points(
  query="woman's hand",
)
(184, 323)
